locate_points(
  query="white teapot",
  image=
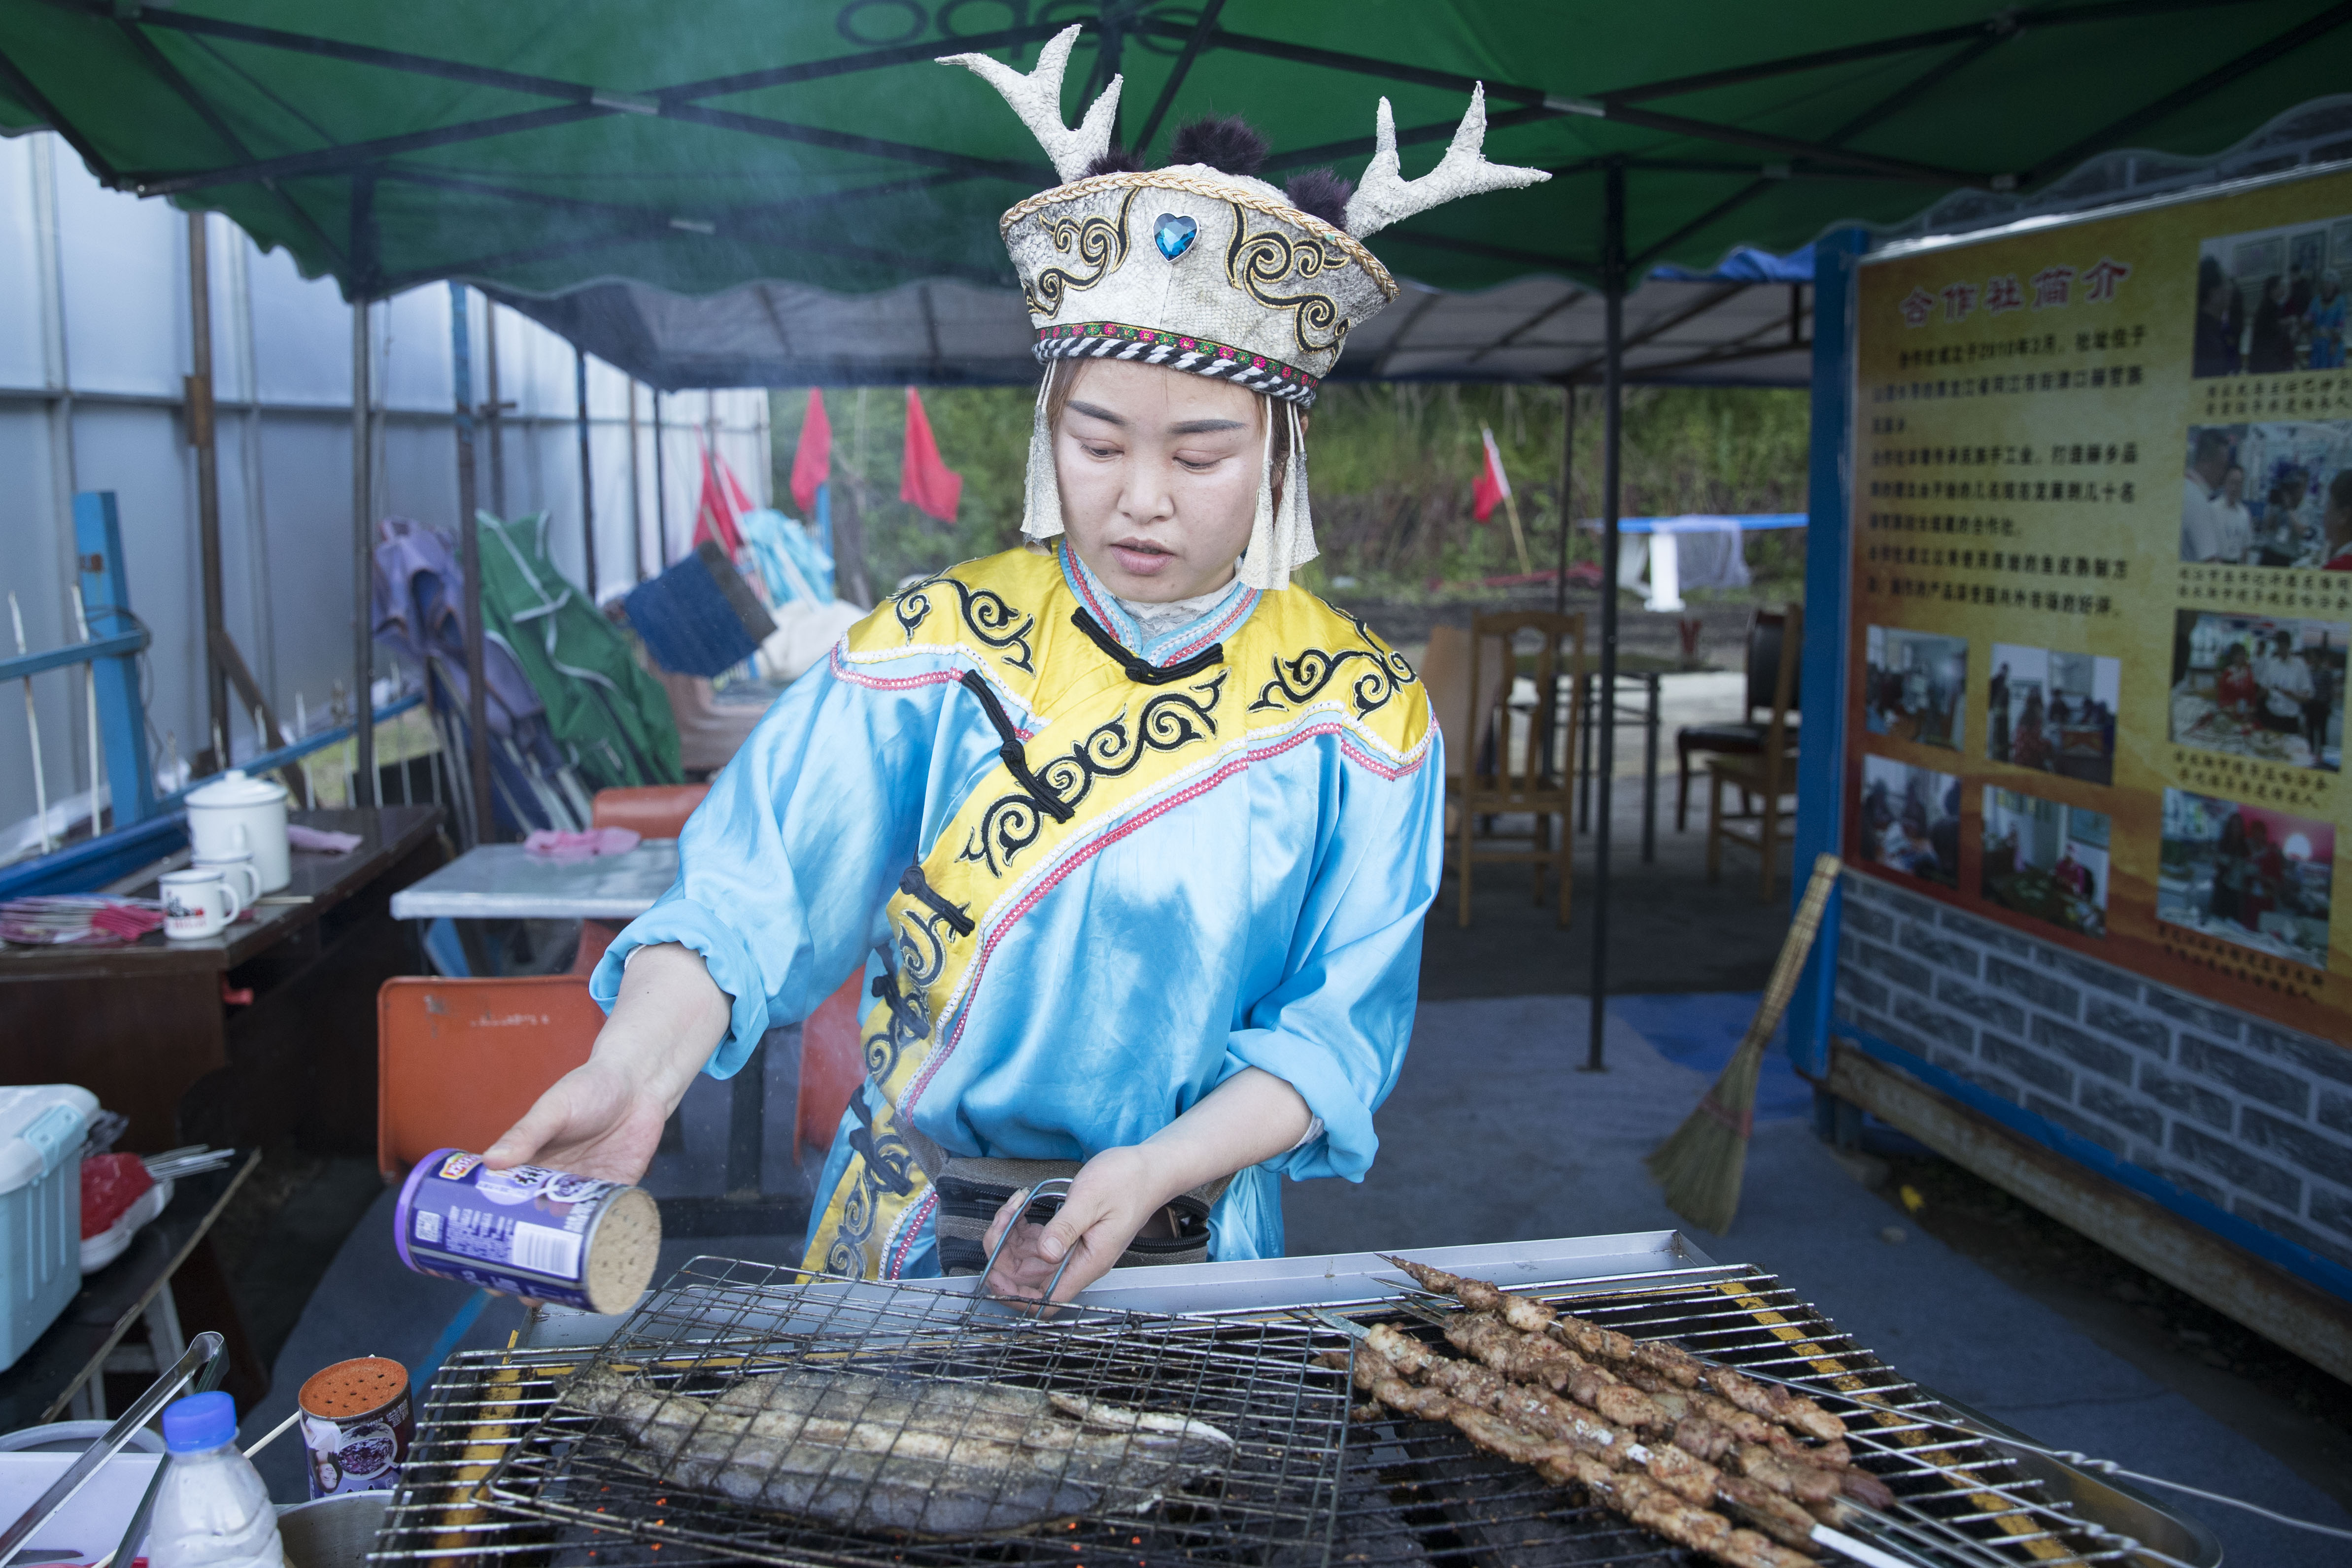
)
(236, 815)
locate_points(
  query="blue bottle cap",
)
(199, 1422)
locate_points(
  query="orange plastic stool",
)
(459, 1061)
(833, 1063)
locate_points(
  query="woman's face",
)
(1159, 473)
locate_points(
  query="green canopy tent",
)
(535, 149)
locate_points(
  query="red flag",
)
(715, 518)
(926, 481)
(812, 458)
(1494, 487)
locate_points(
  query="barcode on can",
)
(543, 1249)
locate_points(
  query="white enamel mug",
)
(238, 870)
(197, 904)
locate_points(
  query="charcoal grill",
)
(553, 1481)
(1417, 1492)
(497, 1473)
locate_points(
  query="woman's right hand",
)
(604, 1117)
(594, 1120)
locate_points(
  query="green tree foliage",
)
(1391, 465)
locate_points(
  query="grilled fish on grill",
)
(913, 1457)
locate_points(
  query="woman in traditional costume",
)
(1132, 838)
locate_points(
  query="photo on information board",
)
(2266, 688)
(2276, 494)
(1911, 820)
(2052, 710)
(2046, 860)
(1915, 685)
(2247, 874)
(2270, 301)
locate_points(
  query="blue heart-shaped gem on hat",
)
(1174, 234)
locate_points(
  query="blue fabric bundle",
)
(699, 617)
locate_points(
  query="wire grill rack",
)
(1419, 1493)
(500, 1470)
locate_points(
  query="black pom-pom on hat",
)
(1114, 159)
(1227, 146)
(1320, 193)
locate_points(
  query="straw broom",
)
(1700, 1164)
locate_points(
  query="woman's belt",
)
(971, 1189)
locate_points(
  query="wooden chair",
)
(1766, 775)
(1768, 637)
(1531, 774)
(459, 1061)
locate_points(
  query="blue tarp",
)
(1746, 264)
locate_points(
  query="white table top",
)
(503, 881)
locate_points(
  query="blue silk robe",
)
(1089, 876)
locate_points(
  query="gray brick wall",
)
(2255, 1119)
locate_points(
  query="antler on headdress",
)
(1385, 197)
(1036, 98)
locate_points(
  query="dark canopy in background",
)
(617, 167)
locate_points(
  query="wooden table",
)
(265, 1030)
(167, 1277)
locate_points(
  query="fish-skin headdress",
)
(1198, 269)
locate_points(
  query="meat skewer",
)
(1630, 1492)
(1669, 1362)
(1789, 1469)
(1690, 1444)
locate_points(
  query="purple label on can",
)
(524, 1231)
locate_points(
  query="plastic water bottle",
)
(212, 1510)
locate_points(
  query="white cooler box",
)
(42, 1129)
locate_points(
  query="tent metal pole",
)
(469, 544)
(587, 478)
(1567, 494)
(199, 396)
(493, 408)
(661, 486)
(636, 490)
(1612, 289)
(364, 779)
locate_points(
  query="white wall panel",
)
(94, 307)
(124, 266)
(23, 353)
(301, 334)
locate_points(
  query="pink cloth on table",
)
(321, 840)
(549, 844)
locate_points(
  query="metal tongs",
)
(202, 1356)
(1060, 1192)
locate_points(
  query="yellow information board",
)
(2102, 587)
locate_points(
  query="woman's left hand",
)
(1109, 1200)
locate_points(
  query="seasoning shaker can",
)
(356, 1425)
(528, 1231)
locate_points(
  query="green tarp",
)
(698, 146)
(611, 720)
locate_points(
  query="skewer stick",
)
(274, 1434)
(89, 699)
(33, 727)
